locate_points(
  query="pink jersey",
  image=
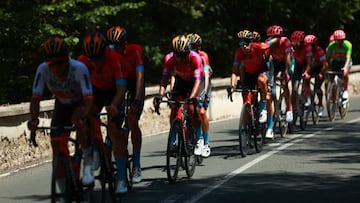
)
(189, 70)
(319, 56)
(302, 53)
(280, 52)
(252, 62)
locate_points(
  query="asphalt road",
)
(321, 164)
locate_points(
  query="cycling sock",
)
(198, 133)
(206, 138)
(136, 159)
(121, 167)
(263, 104)
(270, 122)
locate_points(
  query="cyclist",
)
(187, 67)
(281, 53)
(302, 55)
(68, 80)
(249, 64)
(107, 72)
(318, 65)
(134, 59)
(339, 57)
(202, 148)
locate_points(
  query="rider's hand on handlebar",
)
(320, 76)
(345, 71)
(230, 90)
(306, 75)
(32, 124)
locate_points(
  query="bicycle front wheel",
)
(60, 180)
(331, 102)
(173, 153)
(190, 158)
(244, 131)
(283, 124)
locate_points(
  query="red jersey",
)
(302, 53)
(319, 56)
(191, 69)
(134, 59)
(110, 74)
(205, 61)
(280, 52)
(253, 61)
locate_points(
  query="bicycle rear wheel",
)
(283, 124)
(60, 192)
(173, 153)
(244, 131)
(190, 158)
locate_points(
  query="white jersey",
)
(73, 89)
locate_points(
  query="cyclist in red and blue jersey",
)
(202, 147)
(318, 65)
(249, 65)
(339, 54)
(187, 68)
(281, 53)
(134, 59)
(69, 81)
(108, 76)
(302, 55)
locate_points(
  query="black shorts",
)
(61, 117)
(182, 88)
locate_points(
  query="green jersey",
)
(336, 54)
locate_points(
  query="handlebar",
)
(240, 90)
(171, 101)
(33, 132)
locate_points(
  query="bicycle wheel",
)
(314, 110)
(343, 109)
(303, 113)
(107, 176)
(244, 133)
(258, 136)
(129, 171)
(331, 102)
(283, 124)
(190, 158)
(173, 153)
(63, 192)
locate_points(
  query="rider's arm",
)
(139, 82)
(348, 46)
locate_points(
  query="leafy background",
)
(25, 24)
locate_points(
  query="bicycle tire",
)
(190, 158)
(258, 136)
(173, 158)
(331, 103)
(244, 133)
(107, 177)
(343, 109)
(283, 124)
(55, 193)
(303, 113)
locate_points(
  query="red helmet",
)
(331, 38)
(94, 45)
(310, 39)
(339, 35)
(297, 36)
(55, 46)
(116, 34)
(274, 30)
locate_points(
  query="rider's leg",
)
(262, 81)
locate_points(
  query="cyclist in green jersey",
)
(339, 57)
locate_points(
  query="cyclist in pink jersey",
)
(281, 53)
(302, 55)
(108, 76)
(202, 147)
(318, 65)
(134, 58)
(249, 65)
(187, 68)
(68, 80)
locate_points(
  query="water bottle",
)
(76, 165)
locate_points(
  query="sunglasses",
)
(181, 54)
(116, 46)
(243, 43)
(53, 62)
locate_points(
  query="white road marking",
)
(295, 139)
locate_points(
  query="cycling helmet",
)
(274, 30)
(245, 35)
(181, 45)
(310, 39)
(55, 46)
(195, 39)
(331, 38)
(298, 36)
(94, 45)
(116, 35)
(339, 35)
(256, 36)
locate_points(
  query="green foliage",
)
(25, 24)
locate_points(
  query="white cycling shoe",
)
(199, 146)
(289, 116)
(269, 134)
(263, 116)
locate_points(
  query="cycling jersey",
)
(336, 54)
(302, 53)
(191, 69)
(74, 89)
(252, 62)
(319, 57)
(111, 73)
(205, 61)
(281, 51)
(134, 58)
